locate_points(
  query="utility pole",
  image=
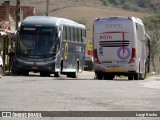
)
(47, 7)
(17, 13)
(148, 5)
(7, 10)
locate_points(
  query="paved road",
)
(35, 93)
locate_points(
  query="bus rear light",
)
(97, 19)
(130, 18)
(95, 55)
(133, 56)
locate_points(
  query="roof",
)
(2, 33)
(48, 20)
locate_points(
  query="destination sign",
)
(46, 29)
(29, 28)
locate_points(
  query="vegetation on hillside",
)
(152, 24)
(136, 5)
(155, 47)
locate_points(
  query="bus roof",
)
(120, 18)
(48, 20)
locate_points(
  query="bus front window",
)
(41, 41)
(27, 43)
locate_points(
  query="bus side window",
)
(83, 36)
(76, 35)
(83, 33)
(68, 34)
(79, 35)
(64, 33)
(72, 34)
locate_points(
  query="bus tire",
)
(75, 74)
(142, 76)
(1, 71)
(61, 67)
(15, 70)
(130, 77)
(57, 74)
(136, 75)
(108, 77)
(69, 74)
(99, 75)
(25, 73)
(44, 74)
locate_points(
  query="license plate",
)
(34, 67)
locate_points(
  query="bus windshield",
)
(37, 41)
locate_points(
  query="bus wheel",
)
(136, 76)
(130, 77)
(57, 74)
(25, 73)
(75, 74)
(142, 76)
(69, 74)
(15, 70)
(61, 67)
(108, 77)
(1, 71)
(99, 76)
(44, 74)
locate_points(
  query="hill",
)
(84, 11)
(88, 15)
(136, 5)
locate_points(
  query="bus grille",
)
(114, 43)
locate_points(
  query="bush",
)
(152, 23)
(81, 21)
(105, 2)
(127, 5)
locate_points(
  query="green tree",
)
(152, 24)
(81, 21)
(127, 5)
(115, 2)
(144, 3)
(105, 2)
(155, 46)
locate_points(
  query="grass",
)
(152, 74)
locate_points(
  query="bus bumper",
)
(37, 66)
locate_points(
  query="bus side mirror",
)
(15, 34)
(58, 41)
(60, 36)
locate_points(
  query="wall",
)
(26, 10)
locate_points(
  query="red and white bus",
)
(121, 47)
